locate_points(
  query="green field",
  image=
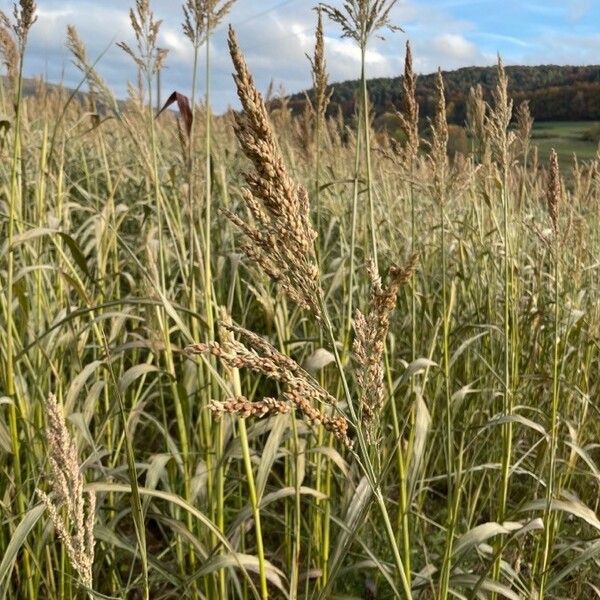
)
(566, 137)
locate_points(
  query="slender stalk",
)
(450, 520)
(208, 192)
(355, 192)
(260, 551)
(365, 461)
(367, 130)
(548, 513)
(14, 210)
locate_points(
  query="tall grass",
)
(245, 431)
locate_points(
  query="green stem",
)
(349, 307)
(260, 551)
(365, 461)
(548, 514)
(367, 127)
(451, 520)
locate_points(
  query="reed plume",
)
(369, 343)
(24, 16)
(476, 119)
(409, 117)
(524, 124)
(200, 17)
(281, 239)
(9, 50)
(80, 59)
(319, 72)
(71, 510)
(554, 191)
(360, 19)
(149, 57)
(499, 120)
(439, 142)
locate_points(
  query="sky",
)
(276, 35)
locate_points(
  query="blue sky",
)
(276, 34)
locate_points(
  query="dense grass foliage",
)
(195, 429)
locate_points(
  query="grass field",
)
(265, 356)
(566, 138)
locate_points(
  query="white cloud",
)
(456, 48)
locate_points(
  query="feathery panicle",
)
(97, 84)
(300, 389)
(499, 120)
(554, 192)
(476, 119)
(409, 117)
(281, 241)
(149, 58)
(75, 527)
(439, 141)
(9, 51)
(369, 343)
(359, 19)
(524, 124)
(319, 71)
(24, 18)
(200, 17)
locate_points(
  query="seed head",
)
(554, 192)
(71, 510)
(281, 239)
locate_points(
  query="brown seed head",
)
(319, 71)
(76, 527)
(200, 17)
(409, 117)
(24, 17)
(439, 141)
(281, 241)
(10, 52)
(524, 124)
(476, 119)
(499, 119)
(360, 19)
(370, 335)
(299, 388)
(146, 28)
(554, 192)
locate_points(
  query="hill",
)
(555, 93)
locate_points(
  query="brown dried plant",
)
(71, 510)
(369, 343)
(299, 388)
(149, 57)
(281, 238)
(200, 17)
(360, 19)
